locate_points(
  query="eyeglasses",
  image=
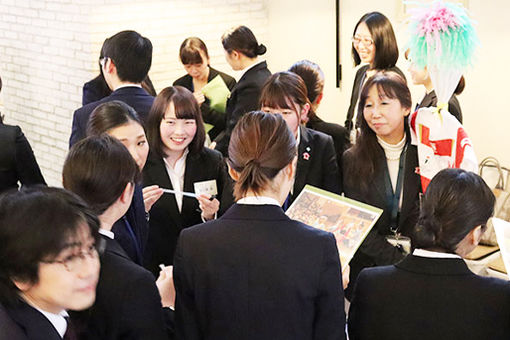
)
(367, 42)
(73, 262)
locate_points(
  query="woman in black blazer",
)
(285, 93)
(432, 294)
(374, 44)
(195, 58)
(381, 170)
(178, 160)
(254, 273)
(241, 52)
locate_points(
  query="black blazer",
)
(339, 134)
(243, 99)
(256, 274)
(134, 96)
(128, 304)
(359, 80)
(166, 222)
(23, 322)
(375, 250)
(427, 298)
(209, 115)
(317, 163)
(430, 99)
(17, 160)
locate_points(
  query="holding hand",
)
(209, 207)
(150, 195)
(199, 96)
(166, 288)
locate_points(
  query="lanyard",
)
(393, 198)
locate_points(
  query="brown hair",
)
(282, 88)
(186, 107)
(261, 145)
(312, 75)
(110, 115)
(189, 53)
(242, 39)
(364, 164)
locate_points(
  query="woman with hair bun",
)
(241, 52)
(432, 294)
(245, 275)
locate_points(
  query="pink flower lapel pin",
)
(306, 155)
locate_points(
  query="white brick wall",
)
(48, 49)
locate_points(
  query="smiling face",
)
(132, 135)
(364, 44)
(176, 134)
(385, 116)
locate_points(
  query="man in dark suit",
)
(127, 58)
(49, 264)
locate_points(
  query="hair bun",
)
(261, 49)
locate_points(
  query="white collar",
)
(128, 85)
(107, 233)
(258, 200)
(435, 254)
(57, 320)
(298, 138)
(243, 72)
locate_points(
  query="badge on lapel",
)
(306, 154)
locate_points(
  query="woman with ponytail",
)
(241, 52)
(432, 294)
(254, 273)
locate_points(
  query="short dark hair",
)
(98, 168)
(312, 75)
(186, 107)
(455, 203)
(242, 39)
(131, 53)
(261, 145)
(385, 43)
(110, 115)
(37, 223)
(189, 52)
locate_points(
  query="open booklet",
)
(349, 220)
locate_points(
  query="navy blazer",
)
(256, 274)
(128, 304)
(429, 298)
(209, 115)
(23, 322)
(17, 160)
(243, 99)
(134, 96)
(166, 222)
(317, 163)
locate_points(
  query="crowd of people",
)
(172, 223)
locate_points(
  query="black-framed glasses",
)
(74, 262)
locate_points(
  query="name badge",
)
(206, 187)
(401, 242)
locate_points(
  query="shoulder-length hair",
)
(186, 107)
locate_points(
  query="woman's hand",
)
(345, 276)
(150, 195)
(199, 96)
(209, 208)
(166, 288)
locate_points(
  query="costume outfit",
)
(134, 96)
(430, 99)
(17, 161)
(359, 80)
(429, 298)
(209, 115)
(375, 250)
(167, 219)
(246, 276)
(243, 99)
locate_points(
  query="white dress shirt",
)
(258, 200)
(176, 175)
(57, 320)
(435, 254)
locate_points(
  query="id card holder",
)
(401, 242)
(206, 187)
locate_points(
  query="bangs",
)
(185, 106)
(275, 96)
(386, 90)
(191, 56)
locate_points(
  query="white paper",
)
(502, 229)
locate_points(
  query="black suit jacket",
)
(430, 99)
(166, 222)
(128, 304)
(243, 99)
(317, 163)
(375, 250)
(17, 161)
(427, 298)
(23, 322)
(134, 96)
(359, 80)
(256, 274)
(209, 115)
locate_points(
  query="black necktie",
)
(70, 333)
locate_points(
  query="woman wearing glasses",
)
(375, 45)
